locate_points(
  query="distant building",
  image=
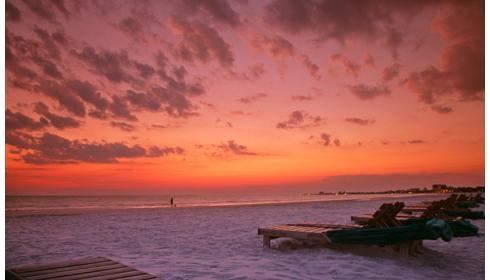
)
(439, 188)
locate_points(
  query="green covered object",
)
(476, 215)
(467, 204)
(460, 228)
(432, 229)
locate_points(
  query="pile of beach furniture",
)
(393, 224)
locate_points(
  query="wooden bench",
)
(91, 268)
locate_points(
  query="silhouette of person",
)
(171, 202)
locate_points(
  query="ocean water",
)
(15, 205)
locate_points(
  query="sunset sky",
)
(168, 96)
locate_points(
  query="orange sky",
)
(169, 96)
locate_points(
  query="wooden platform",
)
(310, 232)
(91, 269)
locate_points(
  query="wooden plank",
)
(320, 225)
(96, 274)
(60, 264)
(67, 273)
(309, 229)
(293, 234)
(65, 268)
(142, 277)
(10, 275)
(298, 228)
(122, 275)
(90, 268)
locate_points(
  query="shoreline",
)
(66, 211)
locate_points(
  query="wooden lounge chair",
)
(382, 229)
(460, 227)
(447, 207)
(90, 269)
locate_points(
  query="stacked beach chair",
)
(392, 224)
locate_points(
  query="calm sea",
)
(20, 204)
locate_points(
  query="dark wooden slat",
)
(90, 268)
(142, 277)
(65, 268)
(74, 272)
(95, 274)
(10, 275)
(292, 234)
(59, 264)
(298, 228)
(129, 274)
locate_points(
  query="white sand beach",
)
(222, 243)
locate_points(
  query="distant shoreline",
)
(60, 211)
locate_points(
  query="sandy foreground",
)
(222, 243)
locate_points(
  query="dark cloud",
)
(19, 139)
(300, 119)
(54, 149)
(276, 45)
(145, 70)
(343, 20)
(240, 113)
(302, 97)
(428, 84)
(360, 121)
(175, 103)
(144, 101)
(87, 92)
(416, 141)
(291, 15)
(200, 42)
(42, 9)
(12, 13)
(132, 27)
(253, 73)
(369, 60)
(155, 151)
(49, 42)
(326, 140)
(60, 5)
(391, 72)
(232, 147)
(63, 95)
(17, 120)
(462, 68)
(123, 126)
(311, 67)
(56, 121)
(252, 98)
(19, 75)
(111, 65)
(350, 67)
(219, 10)
(48, 67)
(394, 40)
(366, 92)
(442, 109)
(21, 53)
(159, 126)
(119, 108)
(224, 122)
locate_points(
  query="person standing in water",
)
(171, 202)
